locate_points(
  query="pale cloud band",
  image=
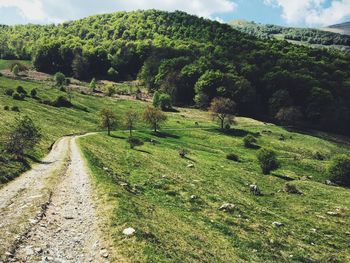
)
(312, 12)
(63, 10)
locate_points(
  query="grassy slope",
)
(54, 122)
(173, 228)
(5, 64)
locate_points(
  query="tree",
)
(165, 102)
(93, 84)
(33, 93)
(223, 108)
(108, 120)
(267, 160)
(134, 142)
(80, 66)
(23, 136)
(130, 119)
(339, 170)
(154, 117)
(15, 70)
(155, 101)
(60, 79)
(289, 115)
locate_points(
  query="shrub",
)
(165, 102)
(60, 79)
(339, 170)
(15, 108)
(15, 70)
(18, 96)
(267, 160)
(61, 101)
(134, 142)
(155, 101)
(33, 93)
(21, 90)
(232, 157)
(249, 141)
(7, 108)
(9, 92)
(110, 90)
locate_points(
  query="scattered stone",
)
(227, 207)
(332, 213)
(29, 251)
(105, 168)
(38, 250)
(129, 231)
(320, 217)
(68, 217)
(329, 182)
(194, 197)
(292, 189)
(104, 253)
(254, 189)
(191, 165)
(277, 224)
(33, 221)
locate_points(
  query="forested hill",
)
(194, 60)
(313, 37)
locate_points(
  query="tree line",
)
(194, 60)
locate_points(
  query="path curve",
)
(62, 223)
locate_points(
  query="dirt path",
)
(62, 225)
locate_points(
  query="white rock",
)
(191, 165)
(129, 231)
(277, 224)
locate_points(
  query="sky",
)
(302, 13)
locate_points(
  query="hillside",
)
(305, 36)
(343, 28)
(195, 60)
(173, 203)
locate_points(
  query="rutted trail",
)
(68, 231)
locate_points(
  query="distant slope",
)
(343, 28)
(306, 36)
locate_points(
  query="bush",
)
(110, 90)
(134, 142)
(339, 170)
(155, 101)
(21, 90)
(165, 102)
(18, 96)
(232, 157)
(33, 93)
(61, 102)
(7, 108)
(249, 141)
(15, 108)
(60, 79)
(15, 70)
(267, 160)
(9, 92)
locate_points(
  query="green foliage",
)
(155, 100)
(60, 79)
(108, 120)
(15, 70)
(165, 102)
(33, 93)
(21, 90)
(154, 117)
(23, 136)
(9, 92)
(267, 160)
(339, 170)
(249, 141)
(93, 84)
(194, 60)
(18, 96)
(110, 90)
(224, 109)
(61, 102)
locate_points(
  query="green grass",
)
(171, 227)
(6, 64)
(54, 122)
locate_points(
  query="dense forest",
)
(304, 35)
(194, 60)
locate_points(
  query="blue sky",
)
(305, 13)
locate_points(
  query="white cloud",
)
(62, 10)
(312, 12)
